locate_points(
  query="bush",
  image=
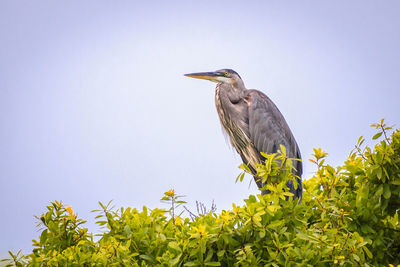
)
(349, 216)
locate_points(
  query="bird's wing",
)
(268, 128)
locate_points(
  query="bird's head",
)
(219, 76)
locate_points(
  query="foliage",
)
(349, 216)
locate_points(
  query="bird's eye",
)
(226, 74)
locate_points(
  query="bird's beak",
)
(211, 76)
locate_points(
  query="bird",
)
(253, 123)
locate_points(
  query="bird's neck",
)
(238, 90)
(233, 92)
(238, 85)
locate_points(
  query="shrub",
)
(349, 216)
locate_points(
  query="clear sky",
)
(94, 105)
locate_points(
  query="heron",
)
(253, 123)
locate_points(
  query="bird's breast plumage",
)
(235, 122)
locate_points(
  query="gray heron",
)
(253, 123)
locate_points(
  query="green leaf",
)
(367, 229)
(330, 169)
(362, 244)
(173, 245)
(240, 177)
(245, 167)
(221, 253)
(379, 191)
(43, 237)
(52, 226)
(282, 149)
(379, 173)
(386, 191)
(175, 261)
(376, 136)
(191, 263)
(213, 263)
(147, 258)
(276, 224)
(306, 237)
(368, 252)
(396, 182)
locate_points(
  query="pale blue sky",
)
(94, 105)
